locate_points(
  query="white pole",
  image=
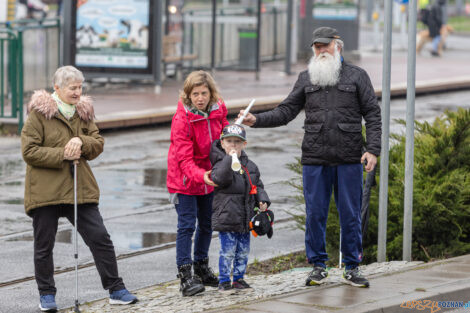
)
(384, 158)
(410, 118)
(245, 113)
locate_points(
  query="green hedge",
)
(441, 194)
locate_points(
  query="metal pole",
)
(214, 25)
(340, 252)
(67, 39)
(369, 9)
(290, 9)
(20, 81)
(294, 32)
(75, 241)
(410, 117)
(167, 17)
(375, 17)
(383, 192)
(275, 12)
(258, 39)
(157, 45)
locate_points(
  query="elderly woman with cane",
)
(60, 130)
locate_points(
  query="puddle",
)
(14, 183)
(125, 240)
(155, 177)
(12, 201)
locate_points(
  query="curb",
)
(262, 104)
(267, 103)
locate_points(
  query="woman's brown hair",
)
(196, 79)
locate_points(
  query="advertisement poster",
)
(112, 33)
(3, 11)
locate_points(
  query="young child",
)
(235, 198)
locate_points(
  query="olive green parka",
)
(49, 179)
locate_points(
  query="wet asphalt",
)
(131, 173)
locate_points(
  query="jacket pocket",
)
(312, 142)
(347, 96)
(312, 88)
(350, 138)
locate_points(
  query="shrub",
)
(441, 193)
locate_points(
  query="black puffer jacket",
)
(233, 205)
(333, 117)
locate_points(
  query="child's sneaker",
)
(122, 296)
(47, 303)
(354, 278)
(240, 284)
(226, 287)
(317, 276)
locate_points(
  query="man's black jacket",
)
(333, 117)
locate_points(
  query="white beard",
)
(324, 69)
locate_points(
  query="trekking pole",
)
(75, 241)
(340, 253)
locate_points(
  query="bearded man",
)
(336, 96)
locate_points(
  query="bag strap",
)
(253, 190)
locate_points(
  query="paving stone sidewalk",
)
(167, 298)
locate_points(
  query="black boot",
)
(189, 285)
(202, 269)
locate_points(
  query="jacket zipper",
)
(210, 138)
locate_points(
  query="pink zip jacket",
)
(191, 139)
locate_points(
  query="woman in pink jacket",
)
(199, 120)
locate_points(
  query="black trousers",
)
(94, 233)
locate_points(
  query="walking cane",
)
(340, 253)
(75, 241)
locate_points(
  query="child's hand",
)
(233, 151)
(263, 206)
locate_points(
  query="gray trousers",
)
(93, 232)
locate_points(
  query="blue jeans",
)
(234, 247)
(435, 43)
(318, 183)
(190, 208)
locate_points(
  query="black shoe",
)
(202, 269)
(190, 285)
(317, 276)
(240, 284)
(226, 287)
(435, 53)
(354, 278)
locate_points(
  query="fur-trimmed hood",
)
(42, 102)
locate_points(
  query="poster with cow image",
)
(112, 33)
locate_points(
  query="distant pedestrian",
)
(238, 195)
(199, 119)
(60, 129)
(336, 96)
(436, 33)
